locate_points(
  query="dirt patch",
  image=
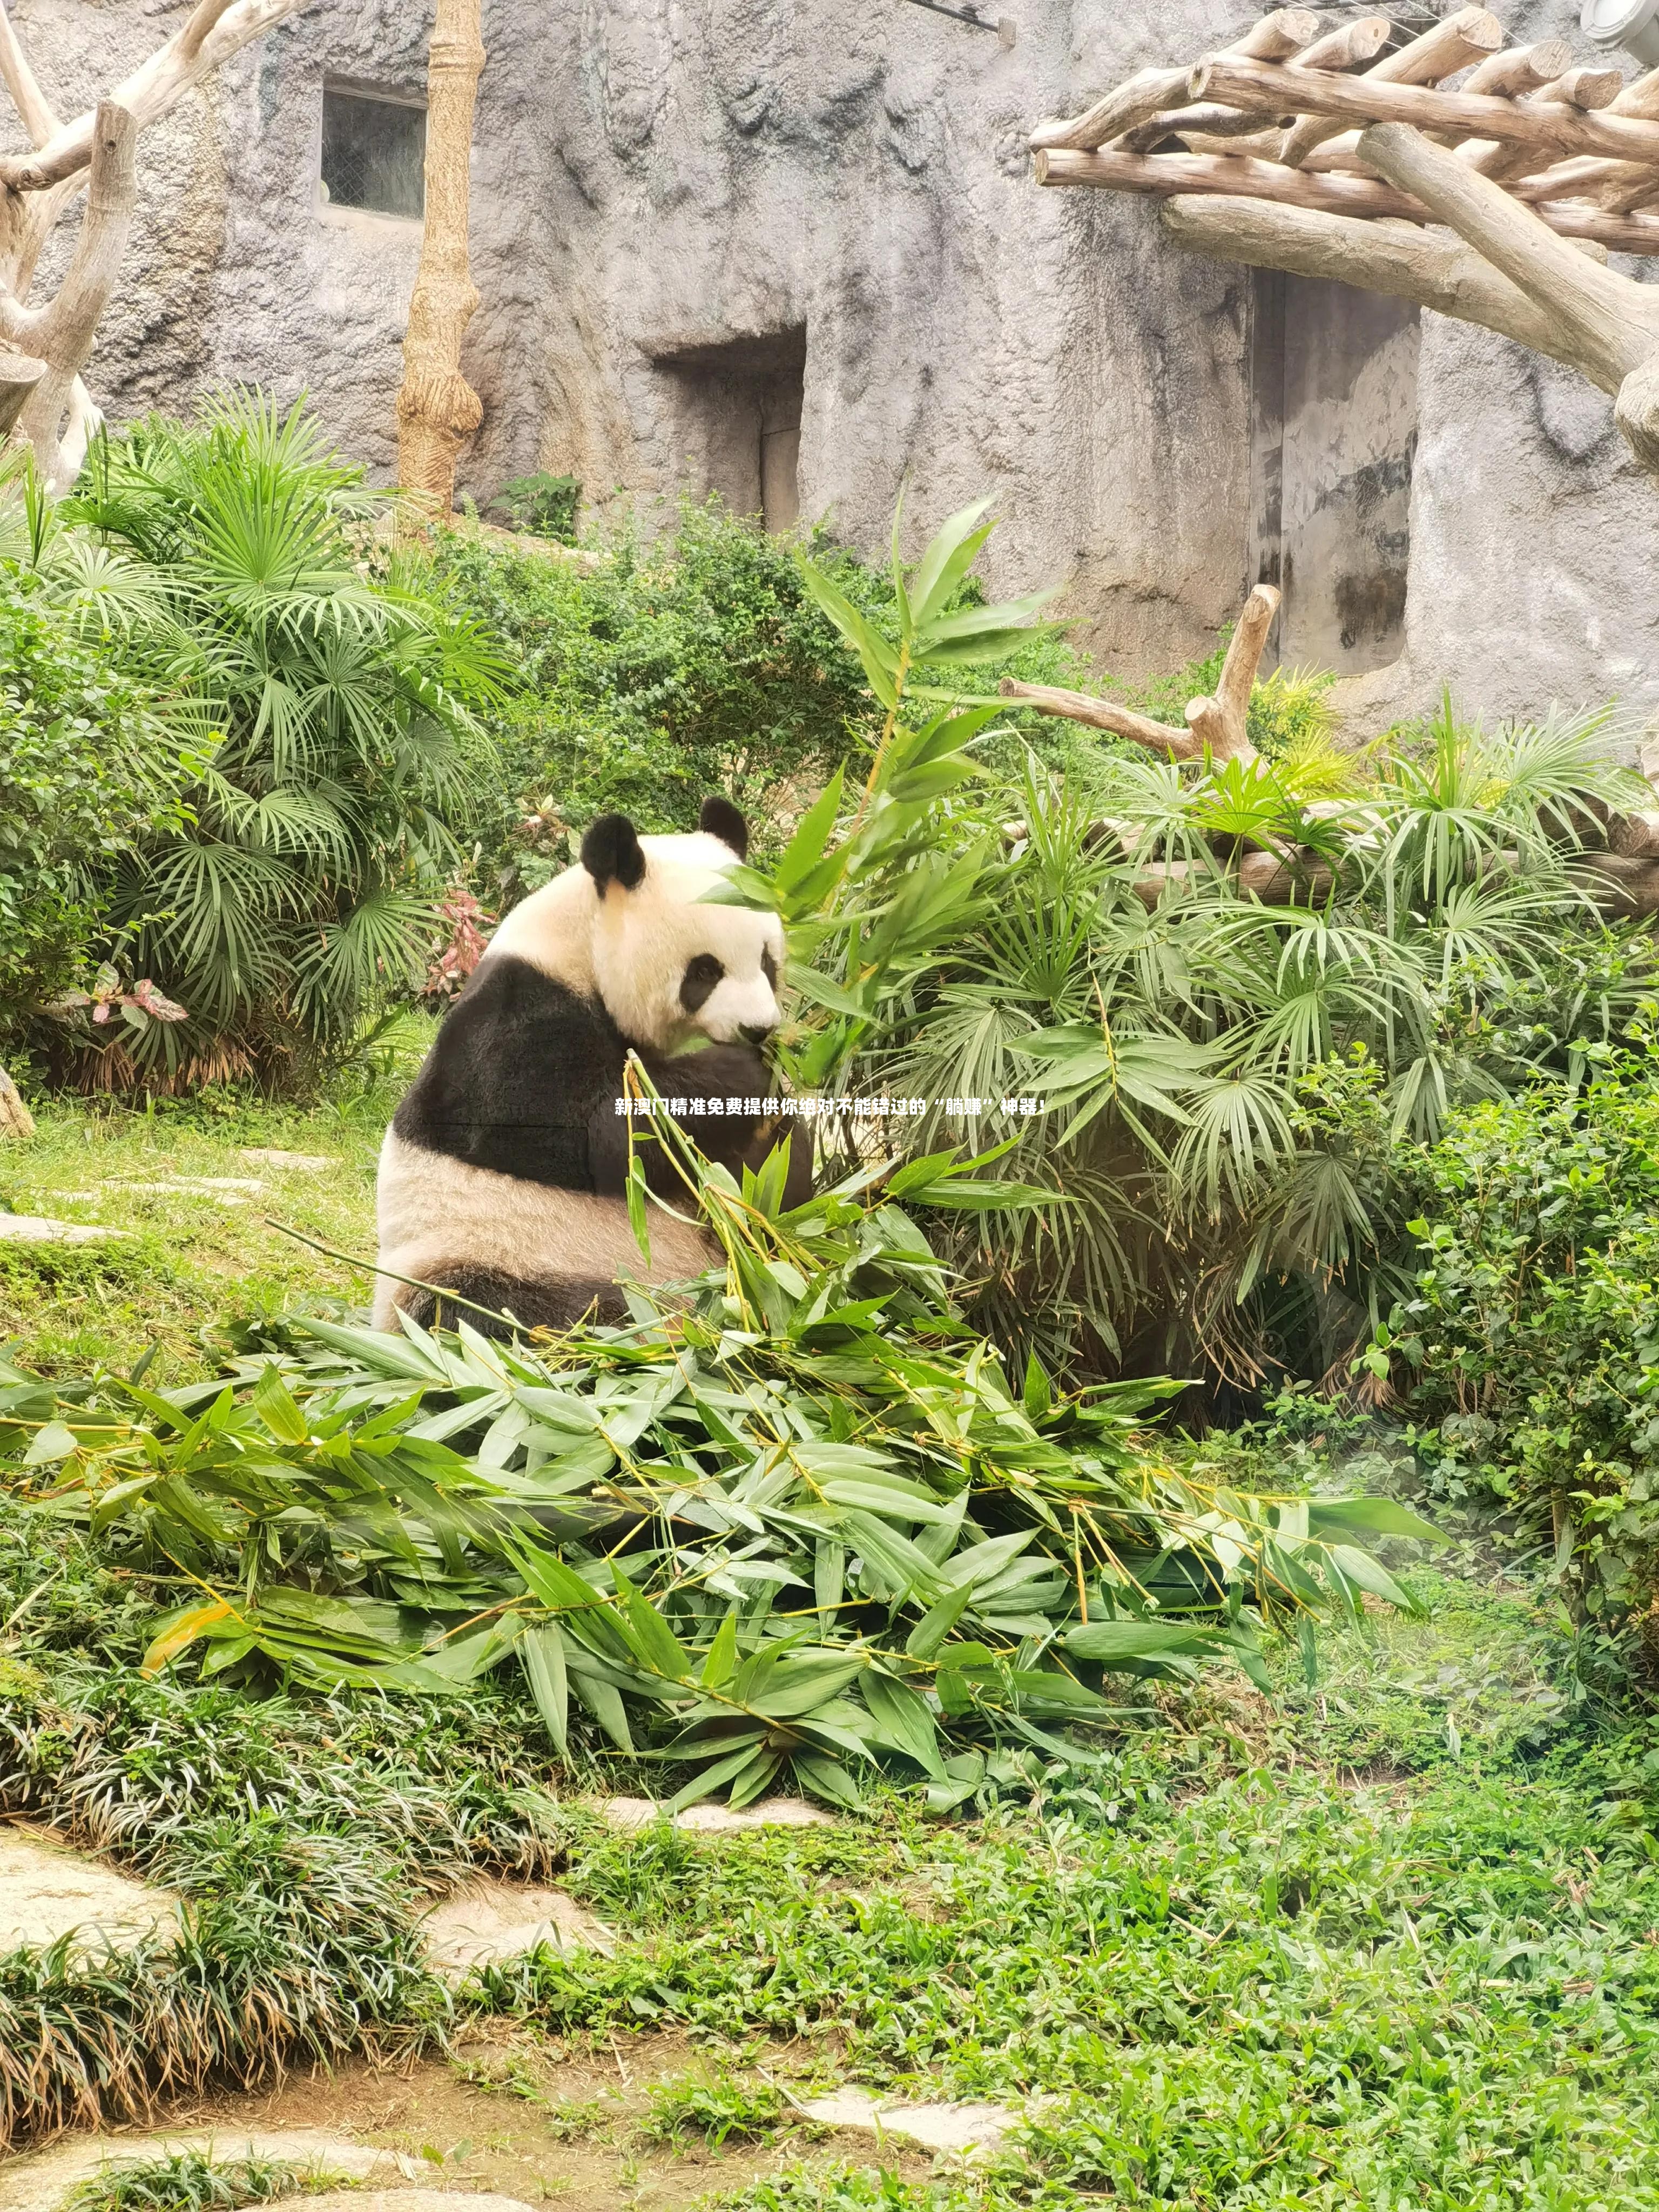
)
(517, 2118)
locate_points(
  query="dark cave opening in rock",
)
(737, 415)
(1333, 435)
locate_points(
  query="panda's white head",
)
(627, 925)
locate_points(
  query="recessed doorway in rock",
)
(737, 413)
(1333, 435)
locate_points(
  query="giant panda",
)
(502, 1175)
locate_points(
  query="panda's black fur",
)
(503, 1174)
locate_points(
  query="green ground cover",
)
(1391, 1937)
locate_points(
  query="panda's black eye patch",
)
(769, 966)
(699, 980)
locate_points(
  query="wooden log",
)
(1589, 89)
(1634, 836)
(63, 330)
(1351, 47)
(1138, 102)
(1276, 37)
(1244, 657)
(1101, 714)
(1428, 267)
(15, 1120)
(1625, 889)
(1585, 88)
(1273, 38)
(437, 408)
(1518, 69)
(1640, 96)
(1234, 177)
(1301, 880)
(1368, 99)
(1169, 173)
(1605, 318)
(27, 97)
(1468, 36)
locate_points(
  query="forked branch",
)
(1217, 726)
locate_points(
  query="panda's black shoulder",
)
(514, 1076)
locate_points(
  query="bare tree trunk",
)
(63, 332)
(437, 408)
(43, 349)
(15, 1120)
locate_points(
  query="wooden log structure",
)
(1622, 880)
(1486, 181)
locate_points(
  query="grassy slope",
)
(190, 1259)
(1392, 1940)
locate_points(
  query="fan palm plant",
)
(322, 709)
(1219, 1080)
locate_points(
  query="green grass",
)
(1390, 1938)
(187, 2181)
(190, 1261)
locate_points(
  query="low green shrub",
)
(1529, 1348)
(650, 675)
(323, 699)
(85, 770)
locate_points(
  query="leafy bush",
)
(1529, 1342)
(543, 505)
(323, 700)
(185, 2181)
(717, 2107)
(649, 677)
(85, 769)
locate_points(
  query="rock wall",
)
(668, 193)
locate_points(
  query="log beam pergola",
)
(1339, 153)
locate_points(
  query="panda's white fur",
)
(437, 1214)
(442, 1218)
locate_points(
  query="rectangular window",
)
(373, 152)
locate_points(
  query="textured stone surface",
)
(488, 1922)
(938, 2127)
(40, 2183)
(651, 181)
(719, 1819)
(267, 1156)
(36, 1229)
(48, 1891)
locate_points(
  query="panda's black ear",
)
(612, 852)
(719, 818)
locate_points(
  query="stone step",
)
(35, 1229)
(40, 2182)
(488, 1923)
(957, 2127)
(718, 1819)
(48, 1890)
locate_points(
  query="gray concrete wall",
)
(650, 179)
